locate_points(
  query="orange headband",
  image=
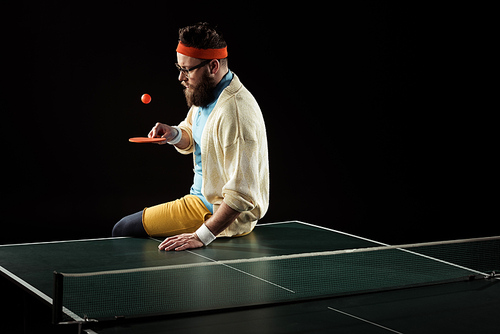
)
(202, 53)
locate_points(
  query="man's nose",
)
(182, 76)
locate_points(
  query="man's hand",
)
(181, 242)
(162, 131)
(222, 218)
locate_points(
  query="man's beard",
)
(201, 94)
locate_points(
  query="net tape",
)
(263, 280)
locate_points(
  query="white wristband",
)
(177, 138)
(205, 235)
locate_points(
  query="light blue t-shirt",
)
(199, 121)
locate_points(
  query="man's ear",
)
(214, 66)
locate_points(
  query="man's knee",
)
(118, 229)
(130, 226)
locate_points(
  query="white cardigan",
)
(234, 157)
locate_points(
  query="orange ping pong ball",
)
(146, 98)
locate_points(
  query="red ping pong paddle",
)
(145, 140)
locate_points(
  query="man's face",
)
(199, 84)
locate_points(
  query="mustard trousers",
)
(184, 215)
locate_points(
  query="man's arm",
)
(222, 218)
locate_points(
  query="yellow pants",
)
(184, 215)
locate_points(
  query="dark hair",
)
(202, 36)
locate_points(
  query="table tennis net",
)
(270, 280)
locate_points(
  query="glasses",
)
(187, 70)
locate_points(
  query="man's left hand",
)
(181, 242)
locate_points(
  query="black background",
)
(374, 112)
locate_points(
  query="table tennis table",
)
(462, 305)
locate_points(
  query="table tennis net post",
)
(271, 280)
(57, 306)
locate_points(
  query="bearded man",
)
(225, 131)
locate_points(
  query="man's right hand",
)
(162, 131)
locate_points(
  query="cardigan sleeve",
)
(245, 162)
(187, 126)
(243, 187)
